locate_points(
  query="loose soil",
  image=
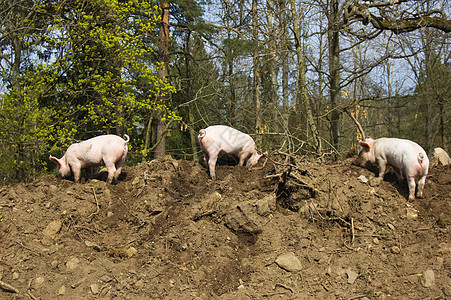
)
(167, 231)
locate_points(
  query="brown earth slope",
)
(165, 230)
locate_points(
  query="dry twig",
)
(8, 288)
(97, 204)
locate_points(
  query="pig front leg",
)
(243, 156)
(382, 164)
(89, 173)
(76, 169)
(399, 175)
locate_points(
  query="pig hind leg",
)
(420, 185)
(111, 168)
(411, 183)
(118, 166)
(206, 158)
(212, 165)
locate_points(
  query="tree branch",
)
(361, 12)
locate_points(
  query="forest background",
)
(298, 76)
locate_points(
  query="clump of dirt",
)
(166, 230)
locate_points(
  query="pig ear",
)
(365, 145)
(55, 160)
(262, 155)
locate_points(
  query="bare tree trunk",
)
(231, 100)
(273, 65)
(284, 54)
(163, 49)
(17, 46)
(333, 35)
(256, 61)
(301, 93)
(428, 61)
(189, 93)
(192, 134)
(442, 128)
(148, 137)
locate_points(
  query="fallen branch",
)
(97, 204)
(8, 288)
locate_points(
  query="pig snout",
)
(360, 161)
(105, 150)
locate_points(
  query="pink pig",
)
(216, 141)
(406, 157)
(105, 150)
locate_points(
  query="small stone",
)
(362, 178)
(395, 250)
(52, 229)
(94, 289)
(376, 241)
(438, 262)
(106, 278)
(54, 263)
(109, 214)
(352, 276)
(139, 284)
(93, 245)
(131, 251)
(62, 290)
(391, 226)
(329, 270)
(289, 262)
(428, 278)
(15, 275)
(135, 181)
(72, 263)
(39, 280)
(263, 207)
(411, 213)
(78, 283)
(374, 181)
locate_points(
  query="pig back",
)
(401, 153)
(229, 139)
(99, 149)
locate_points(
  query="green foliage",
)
(93, 71)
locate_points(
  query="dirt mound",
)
(301, 230)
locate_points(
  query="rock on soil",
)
(289, 262)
